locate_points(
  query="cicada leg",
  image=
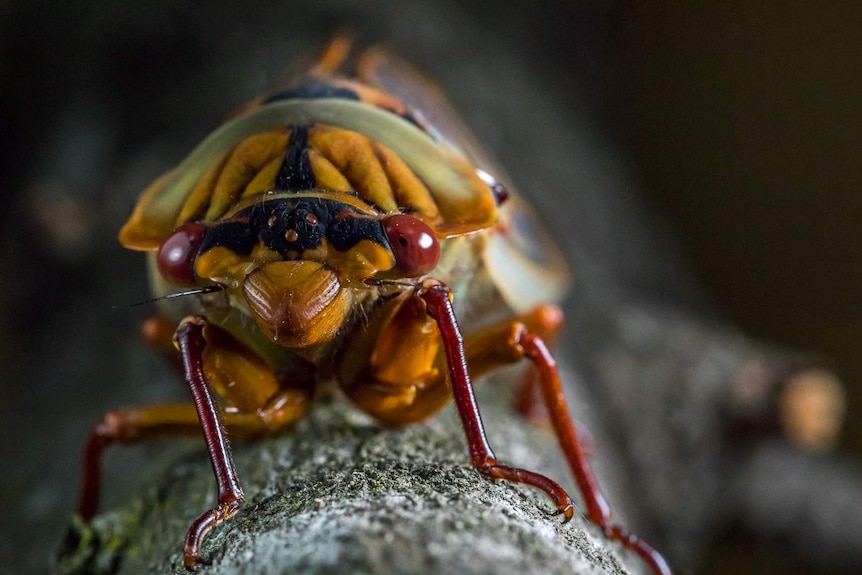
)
(439, 308)
(508, 343)
(190, 341)
(545, 321)
(127, 426)
(158, 333)
(133, 425)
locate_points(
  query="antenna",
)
(197, 291)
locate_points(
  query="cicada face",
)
(297, 260)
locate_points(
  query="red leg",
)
(128, 426)
(136, 424)
(268, 407)
(439, 307)
(547, 321)
(598, 510)
(190, 341)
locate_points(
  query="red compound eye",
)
(176, 259)
(414, 244)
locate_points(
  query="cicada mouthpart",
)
(296, 303)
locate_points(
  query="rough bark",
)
(342, 495)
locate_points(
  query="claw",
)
(194, 562)
(189, 561)
(568, 511)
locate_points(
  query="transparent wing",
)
(394, 76)
(521, 255)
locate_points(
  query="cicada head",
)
(297, 262)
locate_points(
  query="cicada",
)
(345, 230)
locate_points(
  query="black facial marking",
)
(288, 225)
(291, 226)
(346, 230)
(236, 236)
(295, 173)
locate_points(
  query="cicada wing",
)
(388, 73)
(521, 255)
(525, 263)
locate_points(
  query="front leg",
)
(189, 338)
(268, 404)
(439, 307)
(134, 425)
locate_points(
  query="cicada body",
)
(342, 230)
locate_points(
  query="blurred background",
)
(735, 128)
(745, 126)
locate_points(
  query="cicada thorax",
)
(305, 158)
